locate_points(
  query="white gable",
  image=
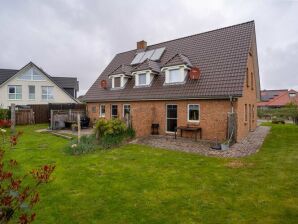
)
(31, 86)
(32, 74)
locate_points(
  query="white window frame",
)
(15, 92)
(123, 81)
(199, 117)
(138, 77)
(33, 72)
(123, 109)
(149, 78)
(31, 93)
(47, 94)
(114, 116)
(183, 73)
(100, 112)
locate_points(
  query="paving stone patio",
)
(251, 144)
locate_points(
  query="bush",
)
(87, 144)
(5, 123)
(278, 120)
(105, 127)
(5, 114)
(108, 134)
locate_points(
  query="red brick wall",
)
(249, 98)
(213, 116)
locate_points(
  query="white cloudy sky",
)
(80, 37)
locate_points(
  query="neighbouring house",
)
(278, 98)
(32, 85)
(195, 81)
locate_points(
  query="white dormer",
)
(175, 74)
(118, 81)
(143, 78)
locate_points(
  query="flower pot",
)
(224, 146)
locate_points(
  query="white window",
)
(292, 95)
(32, 75)
(142, 79)
(114, 111)
(102, 110)
(126, 110)
(31, 92)
(119, 81)
(47, 92)
(15, 92)
(193, 112)
(175, 74)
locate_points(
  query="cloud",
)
(79, 38)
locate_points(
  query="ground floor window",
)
(193, 112)
(126, 110)
(171, 118)
(102, 110)
(15, 92)
(245, 112)
(114, 111)
(93, 109)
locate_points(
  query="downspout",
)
(232, 104)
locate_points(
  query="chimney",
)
(141, 45)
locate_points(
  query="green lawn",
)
(138, 184)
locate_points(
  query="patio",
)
(251, 144)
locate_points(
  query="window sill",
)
(194, 121)
(173, 83)
(142, 86)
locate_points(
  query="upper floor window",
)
(47, 92)
(252, 81)
(118, 81)
(15, 92)
(142, 79)
(193, 112)
(32, 75)
(292, 95)
(102, 110)
(175, 74)
(247, 78)
(31, 92)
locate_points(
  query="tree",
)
(16, 197)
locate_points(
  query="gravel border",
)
(249, 145)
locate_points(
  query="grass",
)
(138, 184)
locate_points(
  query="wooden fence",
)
(41, 113)
(24, 116)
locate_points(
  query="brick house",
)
(196, 81)
(271, 99)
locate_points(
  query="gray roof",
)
(67, 82)
(148, 64)
(178, 59)
(221, 55)
(6, 74)
(267, 95)
(62, 82)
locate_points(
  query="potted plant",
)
(225, 145)
(74, 127)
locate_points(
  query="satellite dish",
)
(103, 84)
